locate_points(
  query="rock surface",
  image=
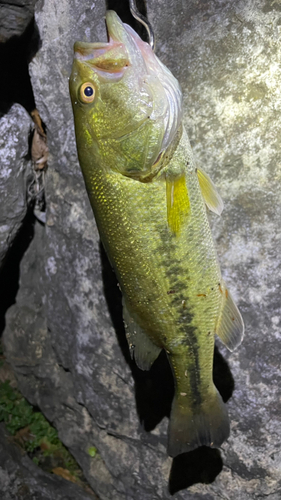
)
(14, 17)
(64, 336)
(15, 174)
(21, 479)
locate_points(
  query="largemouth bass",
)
(149, 201)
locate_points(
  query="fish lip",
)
(112, 19)
(89, 50)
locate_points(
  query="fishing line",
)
(139, 17)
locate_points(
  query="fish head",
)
(126, 103)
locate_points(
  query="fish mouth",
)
(87, 50)
(109, 60)
(117, 35)
(115, 27)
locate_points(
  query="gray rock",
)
(14, 17)
(21, 479)
(64, 336)
(15, 174)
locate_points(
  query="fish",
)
(150, 203)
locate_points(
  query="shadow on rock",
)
(15, 55)
(10, 271)
(222, 376)
(154, 390)
(198, 466)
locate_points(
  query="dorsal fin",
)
(230, 326)
(178, 205)
(209, 192)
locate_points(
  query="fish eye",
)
(87, 92)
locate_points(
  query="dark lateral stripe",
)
(178, 279)
(194, 374)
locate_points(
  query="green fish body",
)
(149, 202)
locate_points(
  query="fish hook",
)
(139, 17)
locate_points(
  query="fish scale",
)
(150, 207)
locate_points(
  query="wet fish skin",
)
(144, 190)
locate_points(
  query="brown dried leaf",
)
(23, 435)
(38, 122)
(39, 148)
(59, 471)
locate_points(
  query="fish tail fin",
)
(204, 425)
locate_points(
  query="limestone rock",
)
(64, 337)
(14, 17)
(21, 479)
(15, 174)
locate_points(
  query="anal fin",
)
(140, 345)
(230, 326)
(210, 192)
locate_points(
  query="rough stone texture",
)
(227, 57)
(21, 479)
(15, 172)
(18, 44)
(69, 359)
(14, 17)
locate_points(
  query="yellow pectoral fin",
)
(178, 205)
(210, 193)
